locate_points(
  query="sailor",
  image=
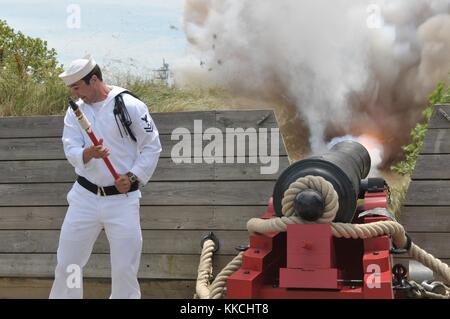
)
(130, 139)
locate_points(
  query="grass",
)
(27, 98)
(398, 195)
(24, 98)
(160, 98)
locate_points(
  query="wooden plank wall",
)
(179, 206)
(426, 212)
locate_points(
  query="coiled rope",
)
(318, 184)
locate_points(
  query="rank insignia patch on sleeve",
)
(149, 127)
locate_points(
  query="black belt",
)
(103, 191)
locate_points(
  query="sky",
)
(123, 35)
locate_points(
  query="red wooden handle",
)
(107, 162)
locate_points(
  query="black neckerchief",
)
(121, 112)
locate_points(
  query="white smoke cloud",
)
(349, 67)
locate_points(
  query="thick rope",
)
(431, 262)
(317, 183)
(380, 228)
(279, 224)
(217, 288)
(204, 270)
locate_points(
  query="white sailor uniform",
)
(118, 215)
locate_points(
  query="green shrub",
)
(29, 82)
(440, 95)
(22, 56)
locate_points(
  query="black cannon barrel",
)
(344, 166)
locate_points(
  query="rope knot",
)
(318, 184)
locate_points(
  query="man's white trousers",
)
(87, 215)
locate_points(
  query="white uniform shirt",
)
(126, 155)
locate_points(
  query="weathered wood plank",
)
(155, 193)
(167, 170)
(432, 167)
(246, 119)
(232, 145)
(153, 266)
(34, 194)
(199, 217)
(428, 193)
(249, 171)
(31, 126)
(437, 141)
(168, 121)
(52, 148)
(49, 171)
(437, 119)
(425, 219)
(208, 193)
(95, 288)
(154, 241)
(31, 149)
(32, 217)
(60, 171)
(52, 126)
(152, 217)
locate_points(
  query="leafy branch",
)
(439, 96)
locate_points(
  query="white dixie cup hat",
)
(78, 69)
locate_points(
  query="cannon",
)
(312, 260)
(345, 165)
(317, 240)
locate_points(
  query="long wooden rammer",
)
(85, 125)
